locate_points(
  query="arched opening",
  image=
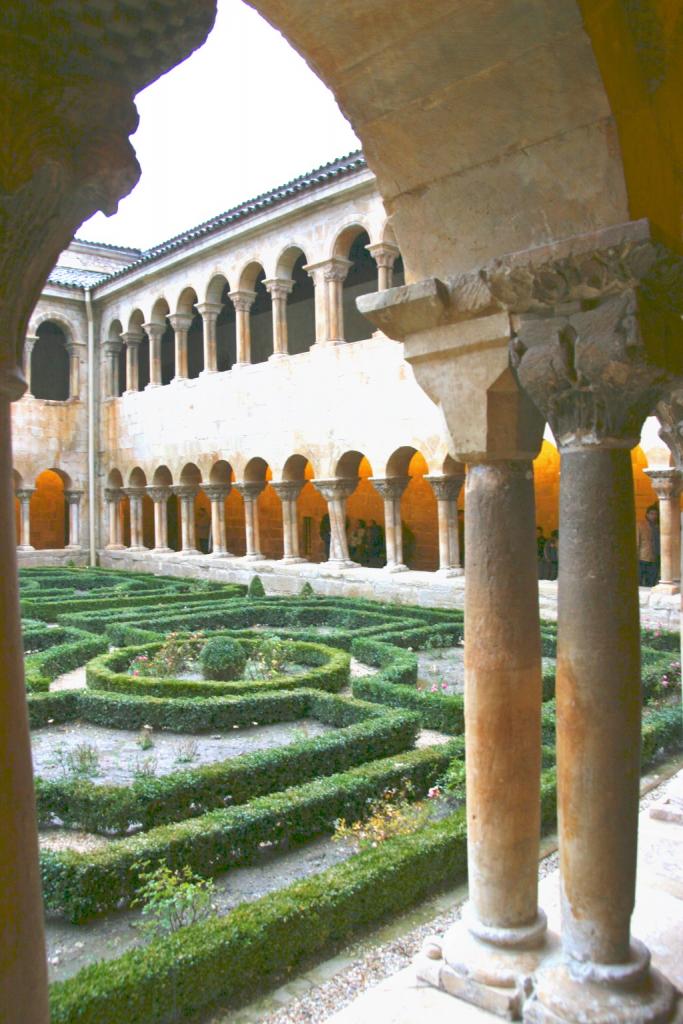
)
(311, 508)
(235, 525)
(364, 512)
(138, 480)
(268, 509)
(300, 301)
(114, 363)
(199, 523)
(48, 511)
(360, 279)
(160, 311)
(50, 364)
(419, 522)
(170, 536)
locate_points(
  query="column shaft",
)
(74, 500)
(24, 538)
(180, 335)
(154, 333)
(444, 533)
(161, 524)
(28, 358)
(132, 366)
(218, 525)
(502, 695)
(598, 702)
(23, 977)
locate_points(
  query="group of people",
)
(548, 558)
(367, 541)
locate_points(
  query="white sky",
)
(241, 115)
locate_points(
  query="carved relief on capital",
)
(669, 412)
(187, 492)
(288, 490)
(666, 483)
(446, 488)
(113, 495)
(337, 269)
(133, 492)
(336, 489)
(158, 494)
(154, 330)
(250, 489)
(216, 492)
(131, 339)
(385, 254)
(25, 493)
(279, 287)
(73, 497)
(390, 488)
(242, 300)
(180, 322)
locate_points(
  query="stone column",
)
(73, 349)
(568, 362)
(250, 491)
(385, 255)
(316, 271)
(209, 312)
(391, 490)
(160, 496)
(132, 342)
(336, 492)
(279, 289)
(73, 499)
(335, 275)
(188, 538)
(217, 493)
(243, 301)
(135, 495)
(181, 323)
(288, 492)
(667, 486)
(113, 498)
(111, 354)
(447, 490)
(24, 538)
(154, 333)
(29, 345)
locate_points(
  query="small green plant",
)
(256, 588)
(81, 762)
(223, 658)
(392, 814)
(171, 900)
(452, 784)
(176, 654)
(145, 739)
(307, 590)
(187, 751)
(145, 768)
(267, 659)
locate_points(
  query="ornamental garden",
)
(232, 785)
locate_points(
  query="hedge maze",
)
(253, 660)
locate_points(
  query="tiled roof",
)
(76, 277)
(320, 176)
(109, 245)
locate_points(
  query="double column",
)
(113, 496)
(24, 495)
(217, 493)
(73, 500)
(132, 341)
(74, 350)
(181, 323)
(135, 495)
(391, 489)
(288, 492)
(209, 312)
(279, 289)
(188, 535)
(250, 491)
(160, 496)
(666, 484)
(29, 345)
(336, 493)
(112, 385)
(447, 491)
(328, 279)
(385, 255)
(155, 333)
(243, 301)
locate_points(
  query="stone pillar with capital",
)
(160, 496)
(24, 539)
(391, 489)
(74, 350)
(250, 490)
(209, 312)
(217, 493)
(335, 275)
(155, 333)
(243, 301)
(135, 496)
(385, 255)
(111, 374)
(666, 483)
(73, 499)
(278, 289)
(447, 491)
(288, 491)
(113, 496)
(336, 491)
(188, 536)
(132, 341)
(181, 323)
(29, 345)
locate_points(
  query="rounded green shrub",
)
(256, 588)
(223, 658)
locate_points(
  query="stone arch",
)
(48, 513)
(137, 478)
(251, 279)
(187, 306)
(361, 278)
(301, 327)
(190, 474)
(114, 478)
(50, 362)
(162, 477)
(221, 472)
(256, 469)
(159, 315)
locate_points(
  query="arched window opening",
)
(49, 515)
(226, 334)
(301, 310)
(364, 515)
(50, 364)
(195, 346)
(261, 322)
(360, 280)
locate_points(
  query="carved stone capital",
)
(446, 488)
(337, 269)
(187, 492)
(250, 489)
(209, 310)
(216, 492)
(112, 347)
(384, 254)
(73, 497)
(666, 483)
(242, 300)
(158, 493)
(133, 492)
(154, 330)
(24, 493)
(288, 490)
(670, 414)
(390, 488)
(279, 287)
(180, 322)
(337, 488)
(113, 494)
(131, 339)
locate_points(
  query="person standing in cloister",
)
(648, 547)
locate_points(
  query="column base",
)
(256, 557)
(25, 547)
(293, 560)
(667, 588)
(239, 366)
(138, 547)
(221, 554)
(162, 551)
(495, 976)
(588, 993)
(115, 547)
(186, 552)
(398, 567)
(341, 563)
(68, 547)
(450, 572)
(208, 373)
(277, 356)
(178, 380)
(152, 385)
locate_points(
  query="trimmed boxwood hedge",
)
(329, 670)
